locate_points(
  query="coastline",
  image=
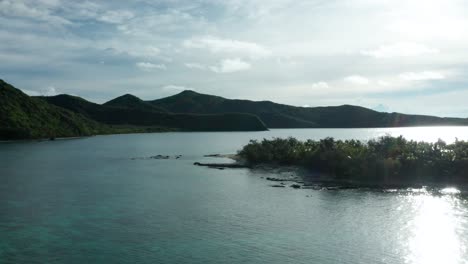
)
(299, 177)
(43, 139)
(126, 131)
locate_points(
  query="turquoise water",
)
(87, 201)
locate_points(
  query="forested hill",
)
(133, 102)
(24, 117)
(139, 113)
(284, 116)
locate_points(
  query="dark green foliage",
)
(138, 116)
(133, 102)
(387, 160)
(273, 115)
(23, 117)
(284, 116)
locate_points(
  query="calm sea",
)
(99, 200)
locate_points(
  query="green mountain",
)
(284, 116)
(273, 115)
(23, 117)
(133, 102)
(142, 115)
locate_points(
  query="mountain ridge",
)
(26, 117)
(115, 114)
(131, 101)
(277, 115)
(22, 116)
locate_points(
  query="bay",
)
(101, 200)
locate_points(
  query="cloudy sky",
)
(390, 55)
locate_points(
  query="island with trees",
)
(383, 162)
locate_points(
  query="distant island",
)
(385, 162)
(26, 117)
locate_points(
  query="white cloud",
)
(229, 46)
(400, 49)
(231, 65)
(148, 66)
(422, 76)
(381, 108)
(152, 51)
(383, 83)
(116, 17)
(196, 66)
(320, 85)
(173, 87)
(82, 9)
(134, 49)
(158, 22)
(49, 91)
(148, 51)
(357, 79)
(429, 19)
(276, 40)
(36, 10)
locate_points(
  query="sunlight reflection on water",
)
(436, 231)
(428, 134)
(450, 190)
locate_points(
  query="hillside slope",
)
(23, 117)
(143, 116)
(284, 116)
(133, 102)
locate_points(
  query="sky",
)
(389, 55)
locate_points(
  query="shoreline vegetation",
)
(386, 162)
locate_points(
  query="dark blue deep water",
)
(87, 201)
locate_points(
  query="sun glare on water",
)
(435, 235)
(450, 190)
(428, 134)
